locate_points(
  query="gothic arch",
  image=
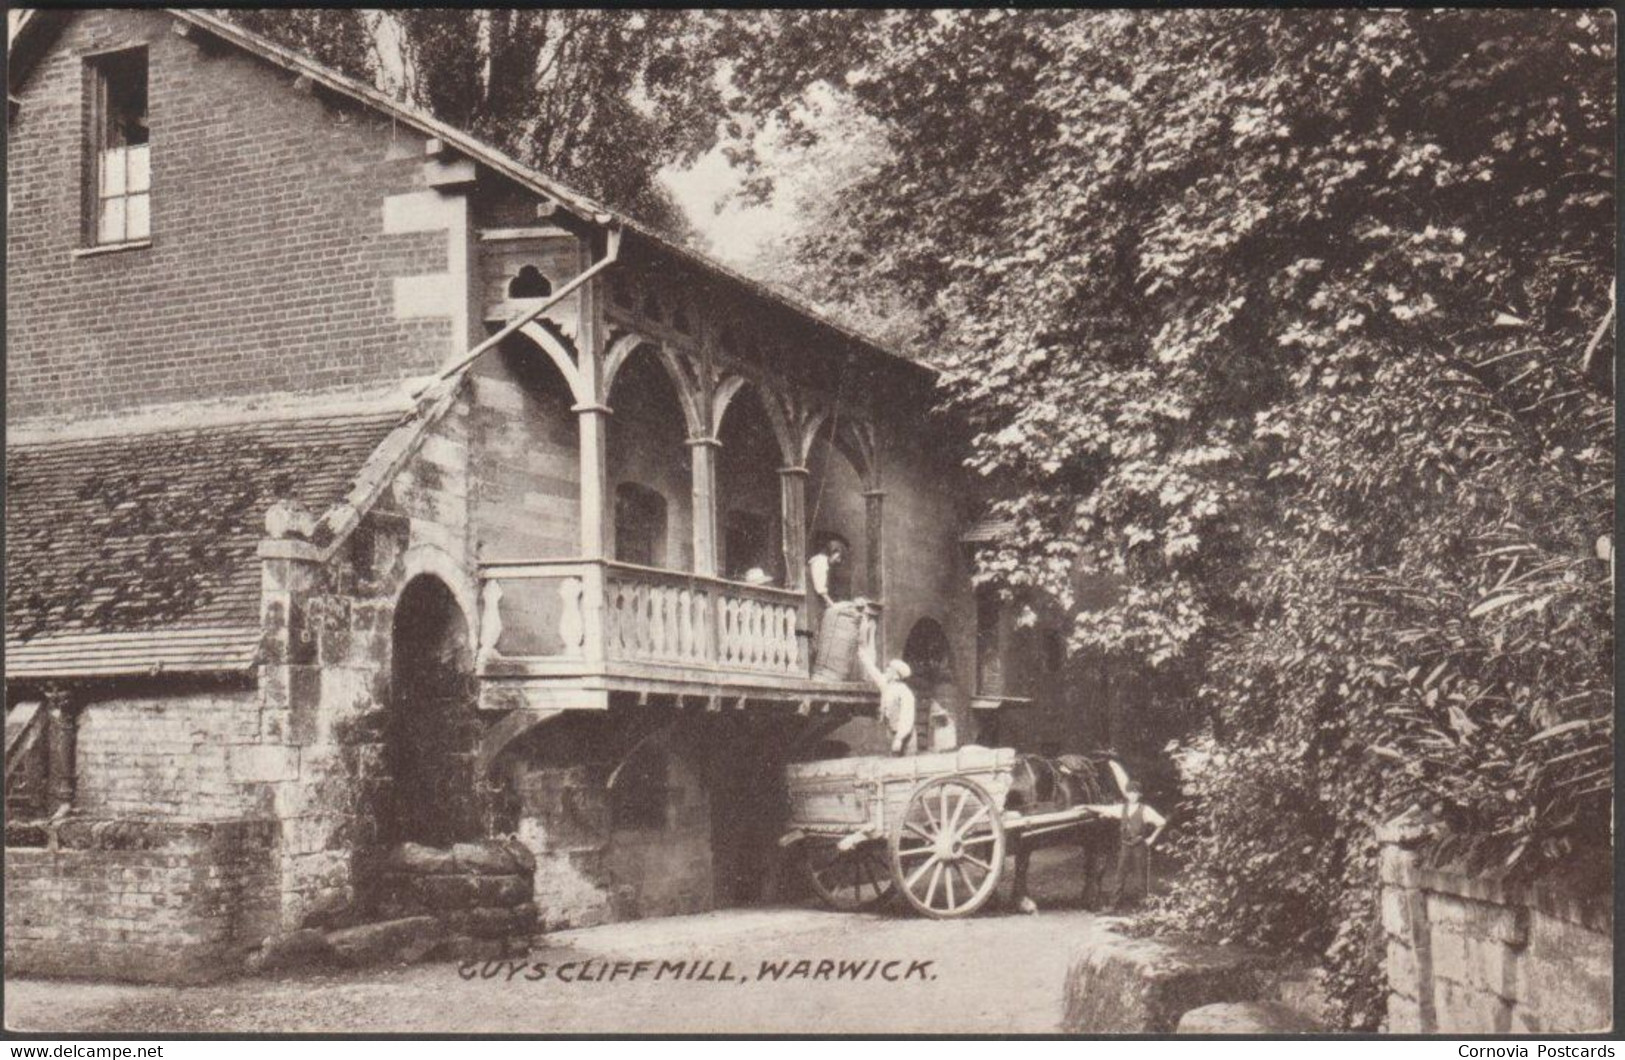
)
(562, 356)
(683, 380)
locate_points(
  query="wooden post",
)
(63, 717)
(874, 543)
(793, 513)
(596, 525)
(703, 465)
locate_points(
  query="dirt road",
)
(996, 973)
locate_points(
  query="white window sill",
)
(111, 248)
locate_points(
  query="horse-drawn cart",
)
(935, 827)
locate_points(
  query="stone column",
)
(62, 714)
(703, 464)
(793, 516)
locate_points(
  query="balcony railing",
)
(569, 618)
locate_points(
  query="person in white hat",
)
(896, 698)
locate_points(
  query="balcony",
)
(567, 633)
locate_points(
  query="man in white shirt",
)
(896, 698)
(1134, 846)
(832, 553)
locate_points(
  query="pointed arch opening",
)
(749, 502)
(649, 462)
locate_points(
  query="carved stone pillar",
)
(793, 512)
(703, 461)
(62, 714)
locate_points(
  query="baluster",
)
(736, 622)
(572, 624)
(685, 624)
(703, 602)
(668, 621)
(641, 604)
(753, 633)
(657, 620)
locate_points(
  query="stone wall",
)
(325, 679)
(1475, 953)
(139, 900)
(595, 864)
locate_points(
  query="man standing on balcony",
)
(834, 659)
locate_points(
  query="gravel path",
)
(995, 973)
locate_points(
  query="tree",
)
(601, 100)
(1287, 321)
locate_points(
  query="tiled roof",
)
(136, 552)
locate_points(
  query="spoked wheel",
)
(849, 880)
(947, 849)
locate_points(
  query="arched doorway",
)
(433, 728)
(649, 460)
(930, 656)
(836, 506)
(749, 510)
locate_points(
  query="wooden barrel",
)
(837, 648)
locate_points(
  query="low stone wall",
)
(481, 893)
(139, 900)
(470, 901)
(1474, 953)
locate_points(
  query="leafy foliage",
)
(1287, 322)
(600, 99)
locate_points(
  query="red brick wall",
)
(268, 269)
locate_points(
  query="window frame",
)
(134, 160)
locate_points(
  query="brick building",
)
(292, 581)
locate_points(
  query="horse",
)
(1045, 785)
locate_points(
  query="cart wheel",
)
(947, 848)
(848, 880)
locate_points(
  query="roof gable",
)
(33, 35)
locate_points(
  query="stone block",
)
(296, 949)
(330, 907)
(1247, 1017)
(489, 857)
(503, 890)
(304, 704)
(389, 942)
(1403, 1016)
(1567, 999)
(449, 892)
(1143, 986)
(483, 922)
(1462, 1009)
(417, 859)
(1401, 967)
(1396, 912)
(1396, 866)
(262, 763)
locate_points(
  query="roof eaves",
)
(582, 206)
